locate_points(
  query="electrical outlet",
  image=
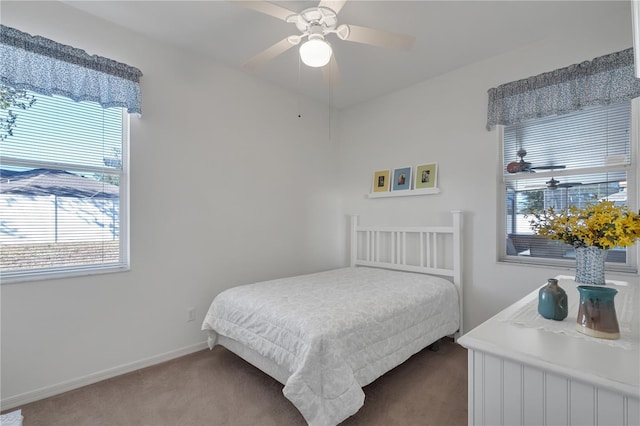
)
(191, 314)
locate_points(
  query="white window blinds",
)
(572, 159)
(583, 139)
(63, 188)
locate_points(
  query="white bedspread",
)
(336, 331)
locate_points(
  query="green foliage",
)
(12, 98)
(528, 200)
(536, 199)
(114, 161)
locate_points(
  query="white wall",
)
(208, 137)
(443, 120)
(228, 186)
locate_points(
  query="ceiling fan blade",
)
(335, 5)
(380, 38)
(569, 184)
(267, 8)
(548, 167)
(269, 53)
(331, 73)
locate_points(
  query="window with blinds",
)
(63, 186)
(561, 161)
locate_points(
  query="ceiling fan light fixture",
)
(315, 52)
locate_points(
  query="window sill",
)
(17, 277)
(538, 262)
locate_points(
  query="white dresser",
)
(526, 370)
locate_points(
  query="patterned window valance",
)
(604, 80)
(44, 66)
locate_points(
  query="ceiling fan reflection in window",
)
(315, 24)
(554, 184)
(524, 166)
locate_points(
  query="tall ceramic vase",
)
(590, 265)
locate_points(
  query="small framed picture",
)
(401, 179)
(381, 181)
(427, 176)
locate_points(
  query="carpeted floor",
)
(218, 388)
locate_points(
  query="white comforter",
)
(336, 331)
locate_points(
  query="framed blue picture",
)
(401, 179)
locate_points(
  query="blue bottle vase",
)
(552, 301)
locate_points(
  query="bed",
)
(326, 335)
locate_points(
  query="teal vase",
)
(552, 301)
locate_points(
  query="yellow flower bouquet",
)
(601, 225)
(591, 231)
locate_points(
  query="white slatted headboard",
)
(434, 250)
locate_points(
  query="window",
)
(566, 160)
(63, 189)
(569, 137)
(63, 159)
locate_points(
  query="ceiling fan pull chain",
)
(299, 87)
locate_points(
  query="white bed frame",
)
(439, 250)
(439, 253)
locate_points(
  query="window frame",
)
(124, 264)
(633, 194)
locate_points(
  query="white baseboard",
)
(47, 391)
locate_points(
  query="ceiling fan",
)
(315, 24)
(525, 166)
(554, 184)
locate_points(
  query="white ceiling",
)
(449, 35)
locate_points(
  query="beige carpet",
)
(218, 388)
